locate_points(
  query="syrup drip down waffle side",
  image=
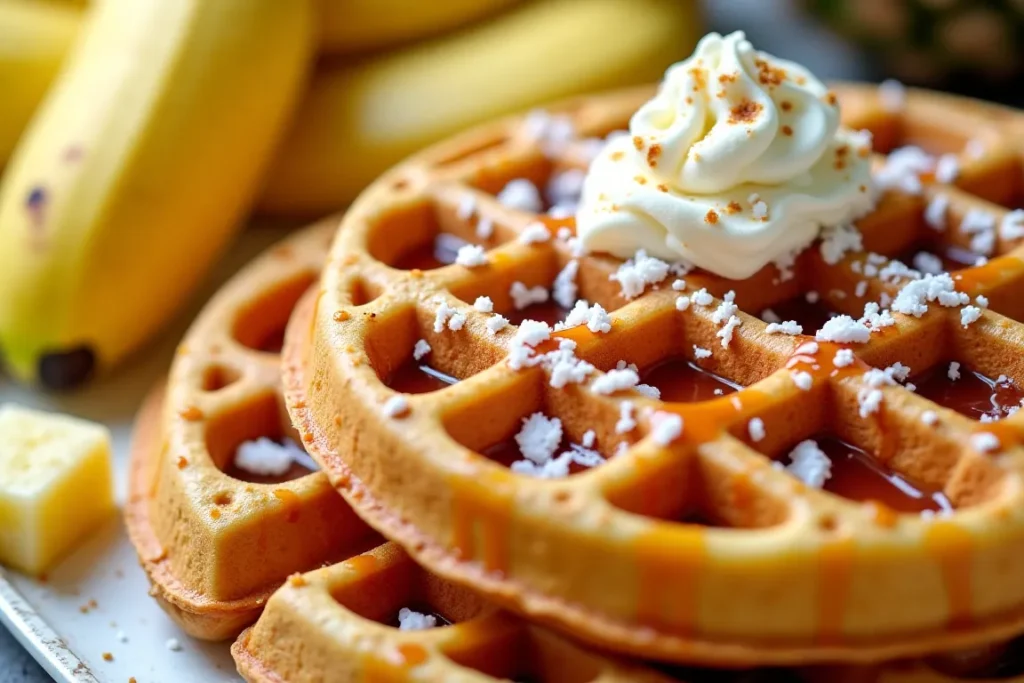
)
(690, 542)
(215, 546)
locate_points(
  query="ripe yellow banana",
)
(137, 170)
(354, 25)
(34, 35)
(363, 116)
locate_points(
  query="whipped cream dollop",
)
(737, 161)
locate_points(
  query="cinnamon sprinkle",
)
(711, 217)
(768, 74)
(652, 155)
(745, 112)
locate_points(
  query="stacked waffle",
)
(643, 487)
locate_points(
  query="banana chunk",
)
(55, 485)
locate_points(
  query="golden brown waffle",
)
(619, 554)
(333, 624)
(216, 547)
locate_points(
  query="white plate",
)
(55, 619)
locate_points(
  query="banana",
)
(136, 171)
(34, 36)
(356, 25)
(362, 116)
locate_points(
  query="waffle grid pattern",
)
(216, 547)
(800, 575)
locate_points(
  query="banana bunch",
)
(136, 170)
(170, 119)
(360, 117)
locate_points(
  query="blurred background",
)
(973, 47)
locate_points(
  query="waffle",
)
(699, 551)
(332, 624)
(215, 547)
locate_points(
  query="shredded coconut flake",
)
(968, 315)
(935, 212)
(701, 353)
(947, 168)
(566, 186)
(539, 437)
(614, 380)
(702, 298)
(471, 256)
(421, 349)
(928, 263)
(447, 316)
(521, 194)
(843, 329)
(484, 228)
(802, 379)
(484, 304)
(496, 323)
(523, 296)
(788, 327)
(682, 303)
(409, 620)
(953, 372)
(981, 226)
(467, 206)
(594, 317)
(727, 330)
(666, 428)
(914, 297)
(838, 241)
(636, 274)
(265, 457)
(535, 233)
(755, 428)
(626, 422)
(985, 442)
(809, 464)
(565, 290)
(843, 358)
(903, 168)
(1012, 225)
(396, 406)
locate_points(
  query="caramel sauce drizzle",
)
(951, 546)
(291, 503)
(671, 560)
(361, 565)
(990, 276)
(394, 665)
(835, 572)
(481, 518)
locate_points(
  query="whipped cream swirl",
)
(737, 161)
